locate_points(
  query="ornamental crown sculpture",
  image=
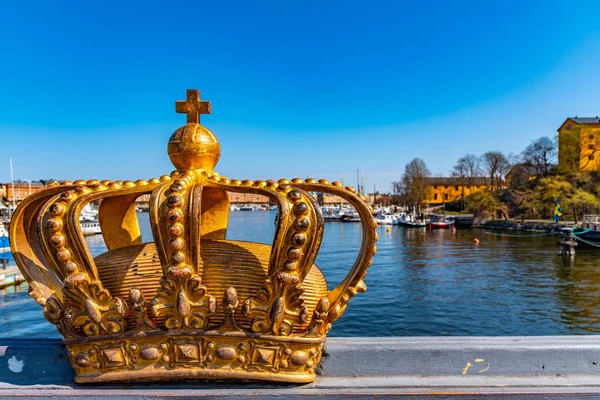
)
(189, 304)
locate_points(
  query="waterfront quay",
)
(10, 275)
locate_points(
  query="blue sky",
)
(310, 88)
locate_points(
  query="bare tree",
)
(459, 171)
(540, 154)
(472, 166)
(465, 170)
(496, 165)
(397, 191)
(414, 182)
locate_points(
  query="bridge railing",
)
(424, 367)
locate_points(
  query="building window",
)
(435, 187)
(591, 137)
(591, 156)
(569, 127)
(445, 186)
(456, 187)
(591, 147)
(435, 196)
(446, 196)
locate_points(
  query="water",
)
(421, 283)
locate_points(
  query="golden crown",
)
(190, 304)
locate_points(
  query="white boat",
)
(88, 220)
(90, 227)
(411, 221)
(344, 213)
(349, 215)
(89, 213)
(385, 219)
(331, 213)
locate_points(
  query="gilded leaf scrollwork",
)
(274, 306)
(182, 301)
(87, 309)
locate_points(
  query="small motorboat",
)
(385, 219)
(411, 221)
(588, 235)
(331, 213)
(440, 222)
(349, 215)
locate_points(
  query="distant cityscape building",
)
(247, 198)
(18, 190)
(325, 199)
(380, 199)
(251, 198)
(143, 202)
(579, 144)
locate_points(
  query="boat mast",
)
(12, 188)
(374, 195)
(362, 182)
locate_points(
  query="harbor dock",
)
(10, 275)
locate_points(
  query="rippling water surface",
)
(421, 283)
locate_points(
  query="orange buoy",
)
(389, 230)
(475, 240)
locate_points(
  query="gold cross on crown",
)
(192, 106)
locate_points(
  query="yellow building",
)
(445, 190)
(579, 144)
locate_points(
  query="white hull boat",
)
(90, 227)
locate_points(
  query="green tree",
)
(580, 201)
(551, 189)
(528, 203)
(483, 202)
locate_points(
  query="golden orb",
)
(194, 147)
